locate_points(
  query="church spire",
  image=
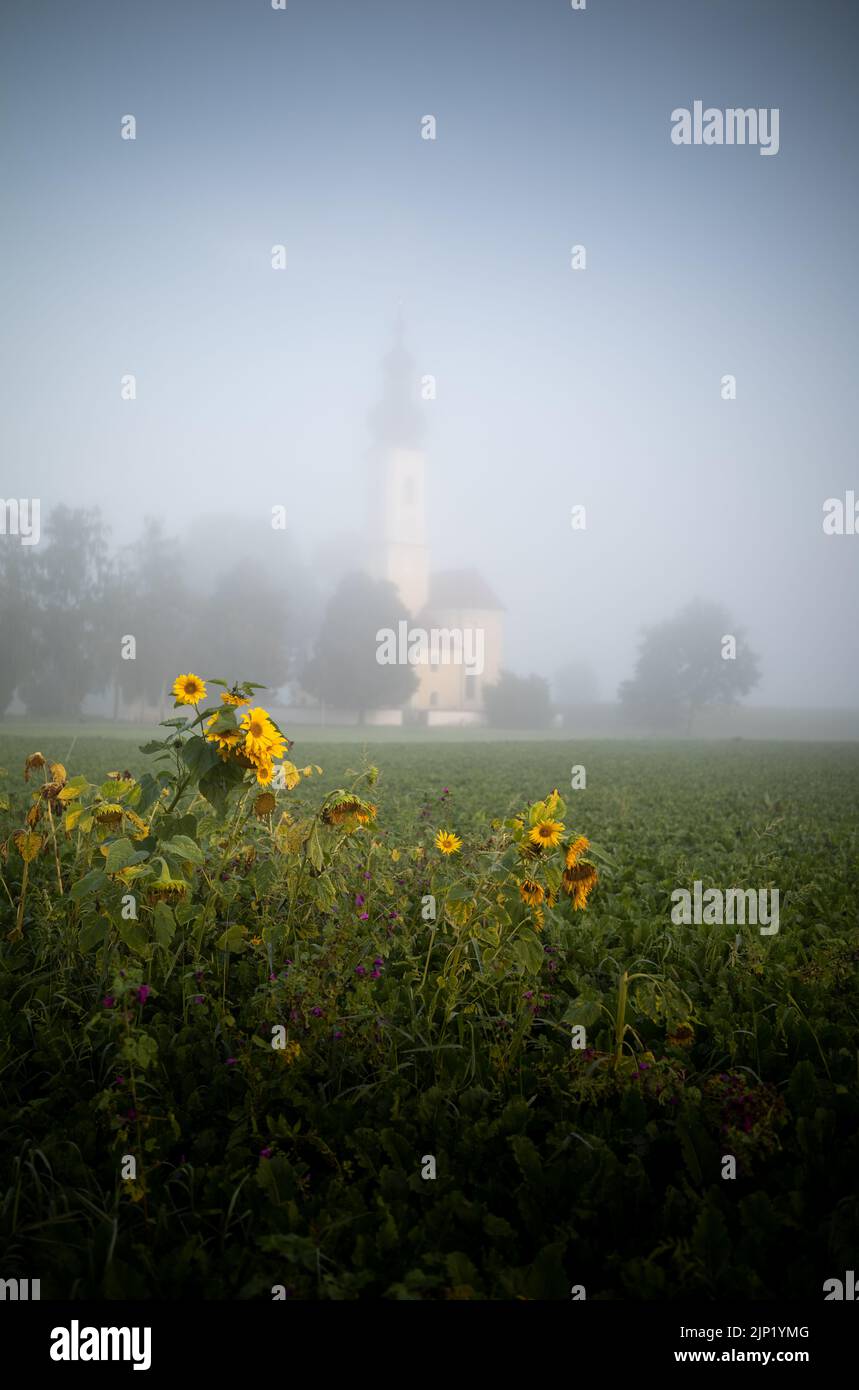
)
(397, 421)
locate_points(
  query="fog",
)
(555, 388)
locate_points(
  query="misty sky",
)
(555, 387)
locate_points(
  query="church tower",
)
(397, 522)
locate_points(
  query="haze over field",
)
(556, 387)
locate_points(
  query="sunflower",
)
(227, 740)
(576, 850)
(260, 734)
(265, 774)
(448, 842)
(546, 833)
(344, 807)
(579, 882)
(264, 805)
(108, 814)
(234, 699)
(531, 892)
(36, 760)
(683, 1036)
(167, 890)
(189, 690)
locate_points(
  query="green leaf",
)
(93, 934)
(219, 782)
(233, 939)
(528, 950)
(183, 848)
(135, 937)
(314, 849)
(90, 883)
(199, 756)
(121, 855)
(164, 924)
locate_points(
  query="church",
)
(448, 600)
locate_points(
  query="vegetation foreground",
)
(239, 1019)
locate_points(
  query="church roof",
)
(460, 589)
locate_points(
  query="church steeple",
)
(397, 508)
(397, 421)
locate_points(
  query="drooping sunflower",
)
(546, 833)
(167, 890)
(683, 1035)
(576, 849)
(189, 689)
(345, 806)
(234, 698)
(531, 892)
(108, 814)
(35, 760)
(448, 842)
(579, 882)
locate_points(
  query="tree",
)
(687, 663)
(16, 617)
(518, 702)
(242, 628)
(67, 588)
(344, 670)
(150, 601)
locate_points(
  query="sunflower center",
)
(190, 688)
(255, 729)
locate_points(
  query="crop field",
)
(298, 1043)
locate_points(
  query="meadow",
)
(347, 1063)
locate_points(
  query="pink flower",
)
(143, 993)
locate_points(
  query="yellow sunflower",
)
(265, 774)
(579, 882)
(226, 739)
(232, 698)
(576, 850)
(189, 689)
(546, 833)
(260, 734)
(448, 842)
(531, 892)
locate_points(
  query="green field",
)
(599, 1165)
